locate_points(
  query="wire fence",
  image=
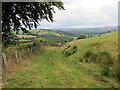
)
(16, 56)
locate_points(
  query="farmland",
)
(56, 38)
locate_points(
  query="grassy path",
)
(48, 70)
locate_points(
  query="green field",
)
(52, 69)
(44, 32)
(56, 38)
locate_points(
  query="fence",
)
(16, 56)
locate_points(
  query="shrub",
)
(105, 70)
(81, 37)
(36, 42)
(116, 72)
(24, 46)
(68, 46)
(69, 50)
(10, 49)
(81, 60)
(93, 57)
(88, 54)
(104, 58)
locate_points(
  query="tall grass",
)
(105, 61)
(69, 50)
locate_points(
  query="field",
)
(44, 32)
(51, 68)
(26, 36)
(56, 38)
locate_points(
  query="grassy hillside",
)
(52, 69)
(107, 42)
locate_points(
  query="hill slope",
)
(51, 69)
(107, 42)
(89, 30)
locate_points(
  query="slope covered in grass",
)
(52, 69)
(107, 42)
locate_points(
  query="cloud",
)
(85, 13)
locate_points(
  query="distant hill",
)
(89, 30)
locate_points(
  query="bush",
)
(69, 50)
(106, 61)
(104, 58)
(24, 46)
(116, 72)
(36, 42)
(10, 49)
(93, 57)
(105, 70)
(81, 37)
(88, 54)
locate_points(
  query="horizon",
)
(79, 27)
(84, 14)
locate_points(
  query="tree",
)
(18, 16)
(81, 37)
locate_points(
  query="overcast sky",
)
(85, 13)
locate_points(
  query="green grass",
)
(55, 74)
(74, 38)
(107, 42)
(51, 69)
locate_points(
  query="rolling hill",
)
(89, 30)
(52, 69)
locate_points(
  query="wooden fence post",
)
(16, 57)
(23, 53)
(28, 51)
(31, 49)
(35, 50)
(5, 61)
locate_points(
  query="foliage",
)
(102, 58)
(36, 42)
(10, 39)
(105, 70)
(17, 15)
(24, 46)
(69, 50)
(9, 49)
(90, 56)
(81, 37)
(93, 57)
(116, 71)
(56, 39)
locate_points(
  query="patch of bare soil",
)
(95, 45)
